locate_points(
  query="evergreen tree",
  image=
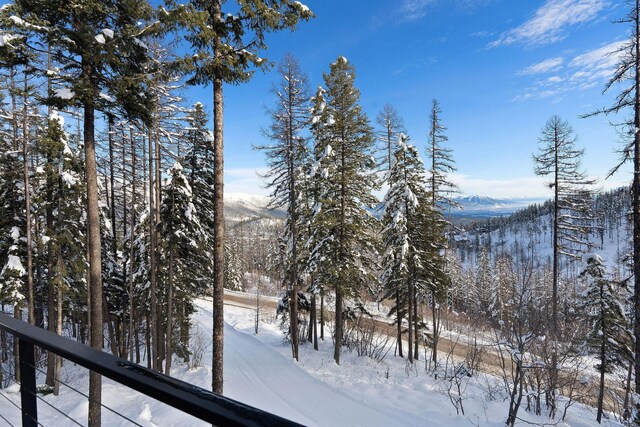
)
(441, 190)
(181, 234)
(608, 335)
(95, 42)
(227, 47)
(198, 168)
(559, 159)
(347, 180)
(403, 253)
(232, 269)
(390, 126)
(627, 78)
(286, 160)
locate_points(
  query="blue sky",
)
(499, 68)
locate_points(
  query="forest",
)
(112, 219)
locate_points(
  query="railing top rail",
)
(198, 402)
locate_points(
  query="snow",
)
(69, 179)
(15, 234)
(14, 264)
(259, 371)
(591, 257)
(107, 97)
(107, 32)
(64, 93)
(100, 39)
(140, 43)
(55, 116)
(5, 39)
(301, 7)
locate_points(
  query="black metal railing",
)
(195, 401)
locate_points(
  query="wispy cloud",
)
(530, 186)
(414, 9)
(550, 22)
(584, 71)
(544, 66)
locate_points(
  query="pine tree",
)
(390, 126)
(559, 159)
(227, 47)
(608, 335)
(198, 168)
(403, 249)
(627, 75)
(181, 235)
(342, 226)
(442, 190)
(286, 160)
(80, 35)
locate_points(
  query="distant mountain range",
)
(241, 206)
(482, 206)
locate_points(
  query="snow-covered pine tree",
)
(232, 268)
(609, 337)
(286, 158)
(228, 45)
(559, 159)
(181, 235)
(62, 197)
(403, 251)
(95, 42)
(318, 172)
(345, 143)
(198, 168)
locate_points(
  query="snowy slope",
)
(241, 206)
(315, 391)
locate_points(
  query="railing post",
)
(28, 384)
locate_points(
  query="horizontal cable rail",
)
(198, 402)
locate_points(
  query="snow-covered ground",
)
(315, 391)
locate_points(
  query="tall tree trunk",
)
(436, 332)
(169, 340)
(56, 387)
(553, 371)
(293, 216)
(635, 191)
(132, 309)
(399, 324)
(218, 219)
(322, 315)
(155, 324)
(27, 203)
(95, 257)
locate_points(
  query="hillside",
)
(315, 392)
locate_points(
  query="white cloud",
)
(411, 10)
(525, 187)
(414, 9)
(585, 71)
(550, 22)
(545, 66)
(597, 64)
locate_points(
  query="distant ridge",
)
(476, 206)
(242, 206)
